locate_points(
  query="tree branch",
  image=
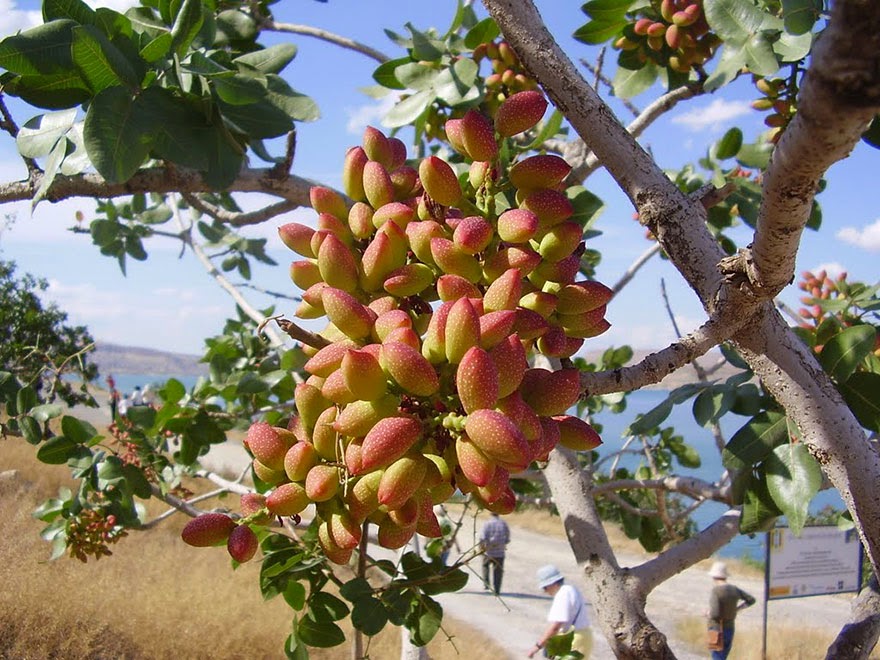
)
(839, 97)
(690, 486)
(238, 218)
(677, 558)
(324, 35)
(159, 180)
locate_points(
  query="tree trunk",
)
(858, 637)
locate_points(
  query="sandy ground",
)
(516, 618)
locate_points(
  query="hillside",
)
(113, 358)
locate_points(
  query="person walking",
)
(494, 538)
(724, 603)
(568, 612)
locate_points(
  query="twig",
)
(237, 218)
(324, 35)
(296, 333)
(635, 267)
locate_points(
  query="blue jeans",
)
(727, 636)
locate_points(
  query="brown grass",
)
(154, 598)
(783, 642)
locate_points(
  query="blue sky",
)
(170, 303)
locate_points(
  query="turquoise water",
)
(614, 425)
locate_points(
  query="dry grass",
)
(155, 598)
(783, 643)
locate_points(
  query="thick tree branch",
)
(159, 180)
(656, 366)
(839, 97)
(677, 558)
(859, 636)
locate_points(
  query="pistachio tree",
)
(456, 278)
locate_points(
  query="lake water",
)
(612, 435)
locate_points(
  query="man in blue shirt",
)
(494, 538)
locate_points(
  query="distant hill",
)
(113, 358)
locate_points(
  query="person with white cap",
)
(567, 612)
(724, 603)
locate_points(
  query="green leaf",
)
(455, 85)
(416, 75)
(410, 109)
(56, 451)
(424, 620)
(42, 50)
(355, 589)
(733, 59)
(51, 91)
(239, 89)
(483, 32)
(755, 155)
(268, 60)
(735, 21)
(650, 419)
(729, 145)
(142, 416)
(759, 512)
(547, 129)
(40, 135)
(137, 481)
(385, 73)
(327, 606)
(844, 352)
(598, 32)
(46, 412)
(629, 83)
(755, 440)
(75, 10)
(368, 615)
(157, 49)
(587, 206)
(862, 394)
(793, 48)
(186, 26)
(423, 47)
(711, 404)
(25, 399)
(172, 391)
(323, 634)
(760, 57)
(116, 137)
(50, 169)
(79, 431)
(799, 16)
(607, 10)
(182, 134)
(793, 478)
(294, 594)
(449, 580)
(872, 135)
(31, 430)
(99, 62)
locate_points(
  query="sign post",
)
(820, 560)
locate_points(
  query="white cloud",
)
(713, 115)
(13, 19)
(117, 5)
(867, 238)
(368, 115)
(832, 269)
(171, 319)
